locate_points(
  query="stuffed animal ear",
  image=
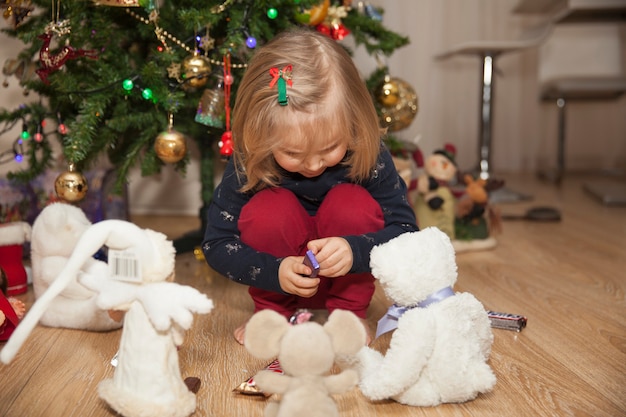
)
(264, 332)
(346, 332)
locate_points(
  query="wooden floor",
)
(568, 278)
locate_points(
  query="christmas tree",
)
(135, 79)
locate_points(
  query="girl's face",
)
(310, 161)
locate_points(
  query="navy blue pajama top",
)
(226, 254)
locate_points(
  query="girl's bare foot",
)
(240, 333)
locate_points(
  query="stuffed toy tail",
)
(107, 231)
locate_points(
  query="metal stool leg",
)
(560, 156)
(502, 194)
(486, 108)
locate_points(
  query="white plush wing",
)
(164, 302)
(112, 294)
(167, 302)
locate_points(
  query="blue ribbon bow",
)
(389, 321)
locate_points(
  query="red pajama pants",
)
(275, 222)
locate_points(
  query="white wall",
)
(524, 129)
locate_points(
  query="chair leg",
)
(502, 194)
(560, 157)
(555, 174)
(486, 93)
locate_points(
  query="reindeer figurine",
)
(474, 204)
(50, 62)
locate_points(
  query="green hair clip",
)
(282, 79)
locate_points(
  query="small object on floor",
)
(608, 192)
(539, 214)
(507, 321)
(193, 383)
(249, 386)
(506, 195)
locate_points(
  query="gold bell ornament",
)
(398, 103)
(71, 186)
(195, 71)
(171, 145)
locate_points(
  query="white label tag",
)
(124, 265)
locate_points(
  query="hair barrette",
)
(282, 79)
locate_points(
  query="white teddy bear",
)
(439, 351)
(55, 233)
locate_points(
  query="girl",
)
(309, 172)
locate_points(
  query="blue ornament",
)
(251, 42)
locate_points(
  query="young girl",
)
(309, 172)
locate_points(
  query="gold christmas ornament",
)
(71, 186)
(388, 93)
(399, 103)
(195, 71)
(171, 145)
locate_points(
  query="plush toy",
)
(476, 221)
(306, 353)
(442, 340)
(55, 233)
(435, 203)
(147, 380)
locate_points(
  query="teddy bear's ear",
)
(264, 331)
(346, 332)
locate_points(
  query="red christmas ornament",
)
(226, 144)
(50, 62)
(337, 31)
(323, 29)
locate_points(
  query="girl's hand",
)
(293, 280)
(334, 255)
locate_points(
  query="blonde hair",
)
(328, 100)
